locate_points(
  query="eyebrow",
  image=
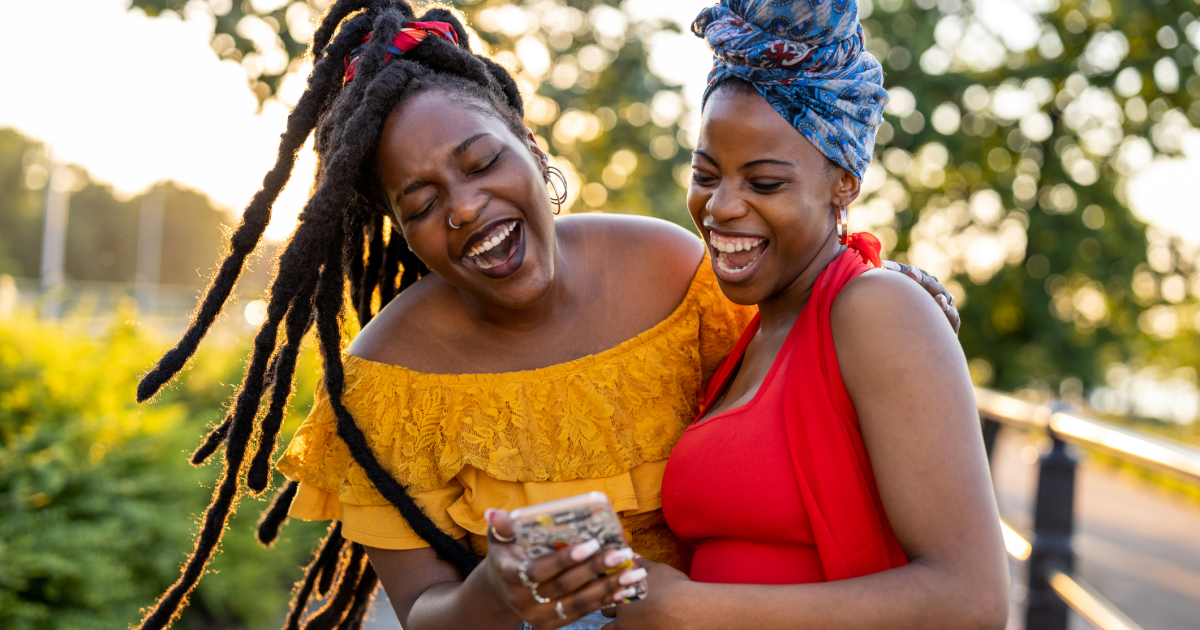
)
(767, 161)
(747, 165)
(458, 150)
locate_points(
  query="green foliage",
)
(590, 95)
(97, 501)
(1006, 168)
(102, 228)
(21, 205)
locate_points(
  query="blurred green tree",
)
(102, 228)
(22, 203)
(1004, 164)
(582, 65)
(97, 498)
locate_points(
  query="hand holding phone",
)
(544, 528)
(561, 586)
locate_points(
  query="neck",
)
(778, 313)
(516, 320)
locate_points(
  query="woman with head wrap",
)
(821, 485)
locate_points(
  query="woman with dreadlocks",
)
(512, 358)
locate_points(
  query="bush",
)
(98, 505)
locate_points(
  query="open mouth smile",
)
(736, 256)
(496, 250)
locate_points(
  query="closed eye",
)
(766, 186)
(424, 211)
(487, 167)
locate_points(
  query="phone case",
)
(544, 528)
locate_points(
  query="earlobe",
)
(848, 188)
(543, 160)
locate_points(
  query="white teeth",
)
(495, 240)
(730, 244)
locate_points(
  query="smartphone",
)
(547, 527)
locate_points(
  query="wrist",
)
(483, 587)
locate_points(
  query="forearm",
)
(468, 605)
(914, 596)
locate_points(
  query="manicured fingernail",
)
(916, 275)
(631, 576)
(894, 266)
(625, 594)
(941, 299)
(617, 557)
(584, 551)
(487, 514)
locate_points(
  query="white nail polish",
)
(584, 551)
(617, 557)
(625, 594)
(631, 576)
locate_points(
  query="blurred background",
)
(1041, 157)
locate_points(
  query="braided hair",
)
(342, 237)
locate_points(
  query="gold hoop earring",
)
(557, 198)
(843, 225)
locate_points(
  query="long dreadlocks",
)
(340, 239)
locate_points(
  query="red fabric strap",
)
(407, 39)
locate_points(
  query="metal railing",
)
(1053, 587)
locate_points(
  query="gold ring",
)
(494, 534)
(559, 609)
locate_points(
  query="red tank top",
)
(780, 490)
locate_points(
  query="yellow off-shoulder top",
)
(462, 443)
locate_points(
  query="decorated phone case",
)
(547, 527)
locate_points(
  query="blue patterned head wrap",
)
(806, 58)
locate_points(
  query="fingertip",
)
(893, 265)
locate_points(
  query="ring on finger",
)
(524, 576)
(558, 608)
(495, 534)
(538, 598)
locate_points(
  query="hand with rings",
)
(557, 589)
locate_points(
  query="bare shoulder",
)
(890, 338)
(618, 232)
(631, 241)
(878, 301)
(884, 323)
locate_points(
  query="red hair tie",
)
(407, 39)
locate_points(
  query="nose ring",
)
(450, 220)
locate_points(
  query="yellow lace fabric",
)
(462, 443)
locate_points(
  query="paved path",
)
(1138, 545)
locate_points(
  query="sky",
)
(136, 100)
